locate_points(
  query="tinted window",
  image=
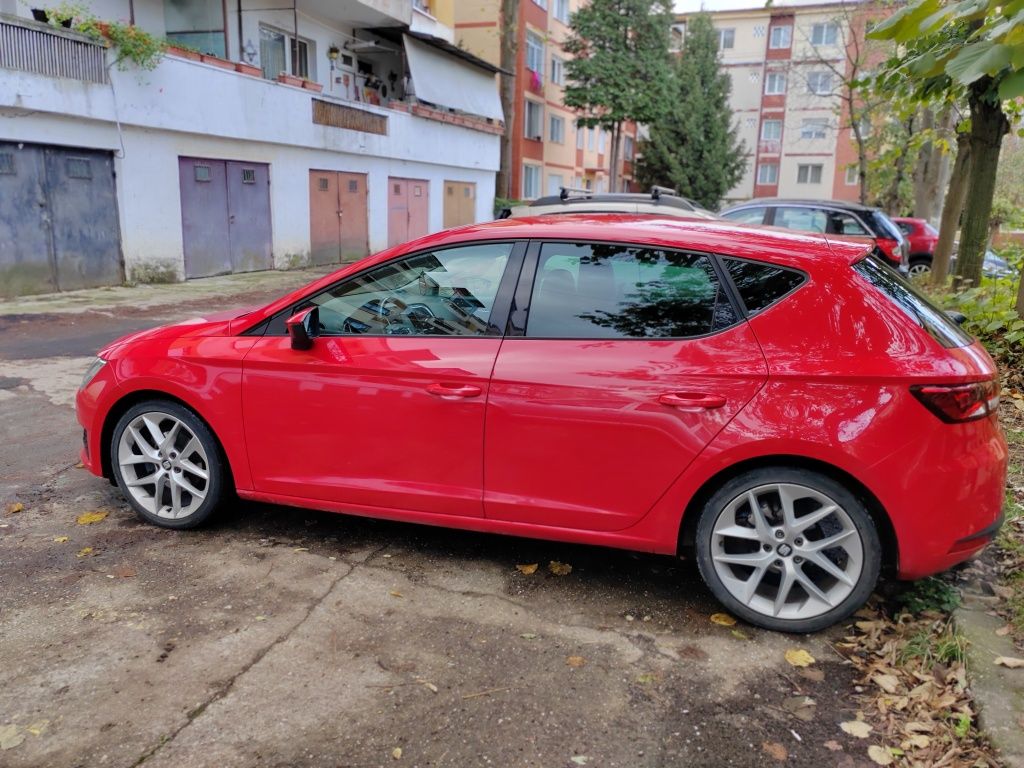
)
(594, 291)
(746, 216)
(844, 224)
(442, 293)
(761, 285)
(913, 304)
(802, 219)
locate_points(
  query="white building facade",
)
(308, 136)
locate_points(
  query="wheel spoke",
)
(810, 587)
(764, 531)
(785, 586)
(788, 514)
(830, 568)
(149, 479)
(168, 442)
(746, 558)
(192, 446)
(144, 446)
(831, 541)
(175, 499)
(805, 522)
(154, 432)
(192, 469)
(738, 532)
(186, 485)
(137, 459)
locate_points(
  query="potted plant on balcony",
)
(132, 44)
(287, 79)
(183, 51)
(248, 69)
(312, 85)
(217, 61)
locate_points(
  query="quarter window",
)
(594, 291)
(761, 285)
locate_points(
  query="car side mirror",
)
(957, 317)
(303, 327)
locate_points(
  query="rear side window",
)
(599, 291)
(914, 304)
(801, 219)
(746, 216)
(761, 285)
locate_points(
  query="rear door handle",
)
(691, 400)
(453, 391)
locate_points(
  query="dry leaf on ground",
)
(798, 657)
(724, 619)
(857, 728)
(396, 753)
(395, 593)
(814, 675)
(575, 661)
(833, 746)
(559, 569)
(879, 755)
(888, 683)
(60, 539)
(527, 570)
(775, 750)
(10, 736)
(85, 552)
(801, 707)
(87, 518)
(15, 507)
(1009, 661)
(37, 728)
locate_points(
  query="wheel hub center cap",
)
(166, 464)
(785, 550)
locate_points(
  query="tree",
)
(972, 46)
(952, 208)
(694, 145)
(619, 68)
(509, 48)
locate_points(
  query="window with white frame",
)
(775, 83)
(600, 141)
(814, 128)
(819, 82)
(726, 39)
(531, 181)
(781, 37)
(852, 175)
(556, 129)
(808, 173)
(825, 33)
(676, 36)
(534, 123)
(535, 52)
(590, 138)
(555, 183)
(771, 130)
(628, 148)
(561, 11)
(768, 173)
(580, 135)
(557, 71)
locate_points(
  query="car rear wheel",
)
(788, 549)
(920, 267)
(167, 463)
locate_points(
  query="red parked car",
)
(922, 238)
(663, 385)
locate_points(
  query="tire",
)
(920, 266)
(178, 463)
(746, 577)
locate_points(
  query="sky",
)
(688, 6)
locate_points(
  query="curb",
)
(998, 691)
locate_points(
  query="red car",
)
(663, 385)
(922, 238)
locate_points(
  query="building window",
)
(600, 141)
(195, 23)
(534, 127)
(555, 183)
(281, 53)
(627, 148)
(579, 137)
(676, 36)
(852, 176)
(775, 83)
(535, 53)
(726, 39)
(557, 71)
(590, 138)
(768, 173)
(562, 11)
(771, 130)
(542, 3)
(781, 37)
(556, 129)
(819, 83)
(808, 174)
(824, 34)
(814, 128)
(531, 181)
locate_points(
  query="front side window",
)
(808, 174)
(781, 37)
(598, 291)
(442, 293)
(802, 219)
(840, 223)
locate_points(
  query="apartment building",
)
(277, 134)
(549, 151)
(787, 64)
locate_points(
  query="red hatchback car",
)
(922, 238)
(785, 408)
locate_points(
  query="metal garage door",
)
(338, 224)
(407, 209)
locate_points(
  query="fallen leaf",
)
(87, 518)
(1018, 404)
(879, 755)
(775, 750)
(579, 759)
(646, 678)
(833, 746)
(724, 619)
(575, 661)
(60, 539)
(124, 572)
(395, 593)
(79, 465)
(559, 569)
(815, 675)
(396, 753)
(1004, 631)
(85, 552)
(300, 549)
(527, 570)
(37, 728)
(10, 737)
(528, 636)
(428, 685)
(801, 707)
(856, 728)
(919, 740)
(739, 634)
(798, 657)
(1010, 661)
(915, 727)
(15, 507)
(888, 683)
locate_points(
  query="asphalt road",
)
(285, 637)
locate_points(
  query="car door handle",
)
(453, 391)
(691, 400)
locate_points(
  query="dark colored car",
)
(828, 217)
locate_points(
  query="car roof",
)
(776, 201)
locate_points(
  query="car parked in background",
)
(828, 217)
(748, 395)
(921, 237)
(660, 201)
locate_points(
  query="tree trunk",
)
(892, 196)
(613, 175)
(988, 126)
(509, 51)
(951, 209)
(926, 160)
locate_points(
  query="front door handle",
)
(691, 400)
(453, 391)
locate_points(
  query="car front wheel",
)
(788, 549)
(167, 463)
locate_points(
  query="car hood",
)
(210, 324)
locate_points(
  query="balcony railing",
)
(34, 47)
(769, 146)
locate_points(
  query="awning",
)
(446, 81)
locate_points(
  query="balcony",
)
(33, 47)
(769, 147)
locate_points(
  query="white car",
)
(660, 201)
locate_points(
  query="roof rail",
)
(567, 192)
(657, 192)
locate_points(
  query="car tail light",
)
(890, 249)
(955, 403)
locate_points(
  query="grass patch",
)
(931, 594)
(931, 648)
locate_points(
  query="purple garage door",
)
(225, 216)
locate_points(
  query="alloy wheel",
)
(164, 465)
(920, 269)
(787, 551)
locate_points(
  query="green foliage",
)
(619, 66)
(132, 43)
(501, 203)
(694, 145)
(932, 647)
(931, 594)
